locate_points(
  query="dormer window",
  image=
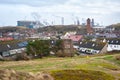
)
(8, 45)
(104, 40)
(111, 41)
(93, 45)
(80, 42)
(116, 41)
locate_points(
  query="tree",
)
(38, 48)
(58, 46)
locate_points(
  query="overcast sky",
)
(105, 12)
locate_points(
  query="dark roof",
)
(3, 48)
(12, 45)
(110, 40)
(92, 45)
(22, 44)
(113, 41)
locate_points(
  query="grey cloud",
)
(33, 2)
(84, 2)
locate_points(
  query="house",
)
(76, 40)
(113, 44)
(107, 35)
(6, 39)
(99, 28)
(69, 34)
(11, 48)
(91, 47)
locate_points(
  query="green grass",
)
(100, 65)
(112, 59)
(80, 75)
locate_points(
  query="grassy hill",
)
(116, 26)
(64, 28)
(104, 66)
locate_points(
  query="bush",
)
(64, 53)
(38, 48)
(117, 57)
(22, 56)
(60, 53)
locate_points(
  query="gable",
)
(75, 37)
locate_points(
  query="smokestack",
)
(92, 23)
(78, 22)
(62, 20)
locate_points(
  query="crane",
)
(62, 19)
(75, 19)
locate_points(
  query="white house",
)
(113, 44)
(91, 47)
(67, 34)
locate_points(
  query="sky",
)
(104, 12)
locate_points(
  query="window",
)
(88, 51)
(80, 42)
(94, 51)
(93, 45)
(111, 41)
(116, 41)
(110, 45)
(6, 53)
(117, 46)
(8, 45)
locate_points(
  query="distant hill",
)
(11, 28)
(64, 28)
(116, 26)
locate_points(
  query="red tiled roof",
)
(6, 39)
(75, 37)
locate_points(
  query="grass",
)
(104, 63)
(80, 75)
(98, 65)
(112, 59)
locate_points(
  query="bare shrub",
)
(15, 75)
(60, 53)
(117, 57)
